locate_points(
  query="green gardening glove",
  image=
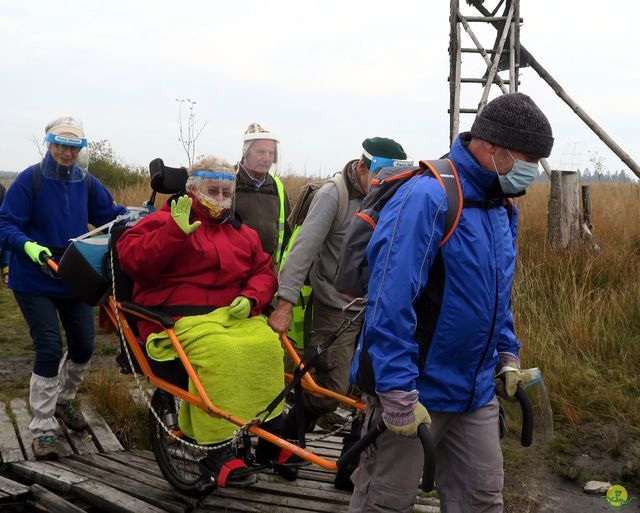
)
(33, 251)
(180, 211)
(240, 307)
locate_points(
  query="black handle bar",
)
(526, 437)
(429, 468)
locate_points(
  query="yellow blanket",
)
(240, 365)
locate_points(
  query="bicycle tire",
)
(177, 462)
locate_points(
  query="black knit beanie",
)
(514, 122)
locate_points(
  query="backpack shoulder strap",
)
(445, 172)
(343, 200)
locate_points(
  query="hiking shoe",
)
(44, 448)
(71, 417)
(224, 468)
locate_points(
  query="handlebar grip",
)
(429, 468)
(43, 257)
(526, 437)
(367, 439)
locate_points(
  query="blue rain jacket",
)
(60, 211)
(5, 254)
(475, 321)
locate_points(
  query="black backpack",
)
(352, 276)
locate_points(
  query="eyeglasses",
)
(73, 149)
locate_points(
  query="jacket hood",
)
(478, 183)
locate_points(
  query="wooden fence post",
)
(563, 220)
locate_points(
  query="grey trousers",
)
(332, 368)
(469, 474)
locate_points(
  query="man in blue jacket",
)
(438, 325)
(48, 204)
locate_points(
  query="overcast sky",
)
(323, 75)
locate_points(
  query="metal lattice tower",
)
(506, 56)
(503, 57)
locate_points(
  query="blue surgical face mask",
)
(519, 178)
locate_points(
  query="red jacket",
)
(210, 267)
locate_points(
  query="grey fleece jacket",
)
(316, 250)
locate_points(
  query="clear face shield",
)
(261, 154)
(214, 191)
(71, 156)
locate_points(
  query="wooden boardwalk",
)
(95, 474)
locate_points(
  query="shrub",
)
(106, 167)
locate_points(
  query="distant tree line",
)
(110, 170)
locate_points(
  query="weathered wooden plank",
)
(122, 469)
(102, 434)
(12, 489)
(49, 501)
(47, 475)
(81, 441)
(109, 499)
(162, 496)
(283, 488)
(135, 461)
(303, 483)
(9, 443)
(23, 417)
(255, 496)
(422, 508)
(227, 504)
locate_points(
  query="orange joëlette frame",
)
(201, 399)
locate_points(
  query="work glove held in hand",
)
(33, 251)
(406, 423)
(240, 307)
(509, 376)
(180, 212)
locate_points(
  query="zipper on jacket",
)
(493, 320)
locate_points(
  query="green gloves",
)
(33, 250)
(240, 307)
(180, 211)
(509, 376)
